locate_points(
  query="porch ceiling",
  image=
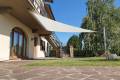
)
(20, 10)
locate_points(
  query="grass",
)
(93, 61)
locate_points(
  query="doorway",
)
(18, 43)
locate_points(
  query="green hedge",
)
(84, 53)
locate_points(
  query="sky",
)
(70, 12)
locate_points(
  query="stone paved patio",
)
(16, 71)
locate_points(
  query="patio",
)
(15, 70)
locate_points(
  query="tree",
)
(75, 42)
(101, 13)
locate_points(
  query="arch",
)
(18, 44)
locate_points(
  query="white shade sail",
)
(52, 25)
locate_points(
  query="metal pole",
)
(104, 37)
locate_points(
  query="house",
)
(21, 35)
(27, 30)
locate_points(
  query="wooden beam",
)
(5, 9)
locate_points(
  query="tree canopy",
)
(74, 41)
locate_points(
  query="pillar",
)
(71, 51)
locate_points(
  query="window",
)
(18, 43)
(35, 41)
(42, 44)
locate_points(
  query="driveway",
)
(17, 71)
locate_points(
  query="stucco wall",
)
(40, 53)
(7, 23)
(37, 52)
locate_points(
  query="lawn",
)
(92, 61)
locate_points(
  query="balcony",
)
(20, 9)
(39, 6)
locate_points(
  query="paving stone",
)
(100, 77)
(115, 77)
(66, 78)
(22, 76)
(3, 72)
(78, 76)
(19, 70)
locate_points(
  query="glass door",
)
(20, 50)
(15, 43)
(18, 44)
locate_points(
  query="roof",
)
(49, 1)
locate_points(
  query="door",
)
(18, 44)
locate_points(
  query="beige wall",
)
(40, 53)
(37, 52)
(7, 23)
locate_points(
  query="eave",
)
(20, 10)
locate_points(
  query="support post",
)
(71, 51)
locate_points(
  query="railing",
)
(56, 40)
(39, 6)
